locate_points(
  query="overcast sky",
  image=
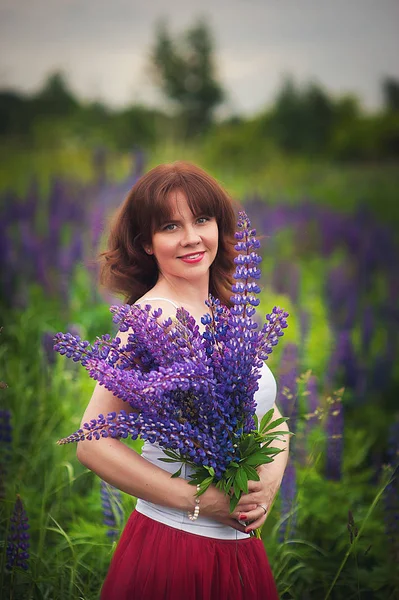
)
(103, 45)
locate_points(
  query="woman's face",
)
(186, 245)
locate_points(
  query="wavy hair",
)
(126, 268)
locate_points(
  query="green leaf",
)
(172, 454)
(251, 473)
(274, 424)
(249, 445)
(236, 487)
(255, 459)
(178, 473)
(204, 485)
(263, 461)
(267, 438)
(228, 485)
(270, 450)
(168, 460)
(266, 419)
(242, 480)
(243, 444)
(233, 503)
(256, 420)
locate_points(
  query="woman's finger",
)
(254, 515)
(253, 498)
(236, 525)
(254, 486)
(257, 522)
(245, 507)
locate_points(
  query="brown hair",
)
(127, 268)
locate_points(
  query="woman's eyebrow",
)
(178, 219)
(171, 220)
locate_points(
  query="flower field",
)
(330, 258)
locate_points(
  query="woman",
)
(171, 245)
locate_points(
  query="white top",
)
(264, 397)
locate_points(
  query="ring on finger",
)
(264, 507)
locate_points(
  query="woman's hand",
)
(260, 495)
(215, 504)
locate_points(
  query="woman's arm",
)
(123, 468)
(271, 475)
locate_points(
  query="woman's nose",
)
(190, 237)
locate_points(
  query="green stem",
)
(352, 546)
(357, 576)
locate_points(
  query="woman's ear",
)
(148, 249)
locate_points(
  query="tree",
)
(55, 98)
(12, 113)
(318, 117)
(390, 90)
(184, 69)
(302, 119)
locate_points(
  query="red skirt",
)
(156, 562)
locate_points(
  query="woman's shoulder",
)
(167, 305)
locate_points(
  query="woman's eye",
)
(203, 219)
(169, 227)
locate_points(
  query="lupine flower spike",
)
(5, 447)
(18, 538)
(111, 500)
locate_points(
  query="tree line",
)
(304, 119)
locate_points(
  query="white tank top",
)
(264, 397)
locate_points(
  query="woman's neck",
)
(184, 292)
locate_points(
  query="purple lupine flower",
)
(348, 359)
(47, 254)
(18, 538)
(189, 392)
(371, 250)
(341, 296)
(286, 279)
(343, 363)
(335, 432)
(111, 503)
(384, 362)
(5, 447)
(367, 328)
(288, 491)
(5, 431)
(47, 347)
(48, 338)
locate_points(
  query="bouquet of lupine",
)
(192, 393)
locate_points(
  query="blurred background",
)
(294, 108)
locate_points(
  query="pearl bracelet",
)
(194, 516)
